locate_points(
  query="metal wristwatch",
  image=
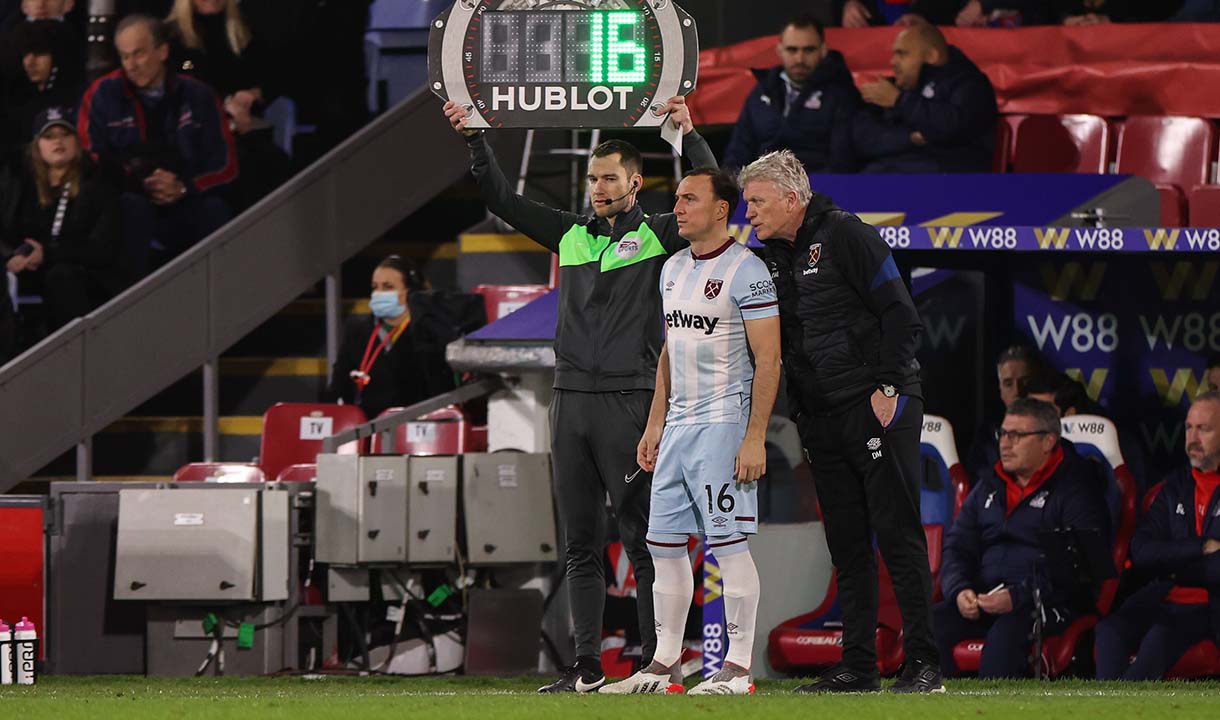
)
(888, 390)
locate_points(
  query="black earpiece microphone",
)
(634, 186)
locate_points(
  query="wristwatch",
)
(888, 390)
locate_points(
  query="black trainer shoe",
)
(841, 679)
(585, 676)
(919, 677)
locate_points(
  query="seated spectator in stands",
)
(937, 114)
(989, 552)
(62, 229)
(395, 356)
(803, 105)
(211, 41)
(963, 13)
(1014, 365)
(1071, 398)
(1177, 541)
(1101, 12)
(41, 84)
(1211, 373)
(167, 139)
(66, 39)
(1198, 11)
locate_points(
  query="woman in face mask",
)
(389, 358)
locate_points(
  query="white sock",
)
(741, 591)
(672, 590)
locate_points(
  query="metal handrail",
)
(388, 423)
(99, 367)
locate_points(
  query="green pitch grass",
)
(457, 698)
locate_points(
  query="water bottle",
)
(6, 654)
(25, 648)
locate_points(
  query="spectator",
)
(803, 105)
(331, 87)
(66, 39)
(1101, 12)
(963, 13)
(1211, 373)
(1071, 398)
(989, 553)
(937, 114)
(211, 41)
(1198, 11)
(63, 232)
(1013, 366)
(395, 356)
(42, 83)
(167, 138)
(1180, 608)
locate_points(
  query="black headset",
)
(410, 273)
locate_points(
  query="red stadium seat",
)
(1003, 145)
(1058, 651)
(1062, 144)
(501, 300)
(440, 432)
(23, 574)
(1013, 122)
(1205, 206)
(1172, 152)
(293, 433)
(301, 472)
(1173, 206)
(220, 472)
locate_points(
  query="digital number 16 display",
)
(595, 47)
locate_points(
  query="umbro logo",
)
(874, 443)
(731, 629)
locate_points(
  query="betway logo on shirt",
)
(558, 97)
(679, 319)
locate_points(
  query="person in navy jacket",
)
(938, 113)
(988, 568)
(1177, 541)
(167, 139)
(804, 105)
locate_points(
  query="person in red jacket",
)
(166, 136)
(1178, 539)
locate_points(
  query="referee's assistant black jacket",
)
(848, 322)
(608, 335)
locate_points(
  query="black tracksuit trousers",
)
(594, 436)
(867, 479)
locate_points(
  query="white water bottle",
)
(6, 654)
(25, 651)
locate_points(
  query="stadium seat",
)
(293, 433)
(1205, 206)
(501, 300)
(1202, 659)
(1175, 153)
(1003, 147)
(1062, 144)
(1094, 437)
(220, 472)
(301, 472)
(440, 432)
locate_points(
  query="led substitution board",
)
(539, 64)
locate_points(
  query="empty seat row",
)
(1175, 153)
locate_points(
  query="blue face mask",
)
(385, 305)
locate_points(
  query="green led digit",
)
(626, 57)
(597, 61)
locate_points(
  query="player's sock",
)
(672, 589)
(741, 590)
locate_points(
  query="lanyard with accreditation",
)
(361, 377)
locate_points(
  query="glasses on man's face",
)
(1018, 435)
